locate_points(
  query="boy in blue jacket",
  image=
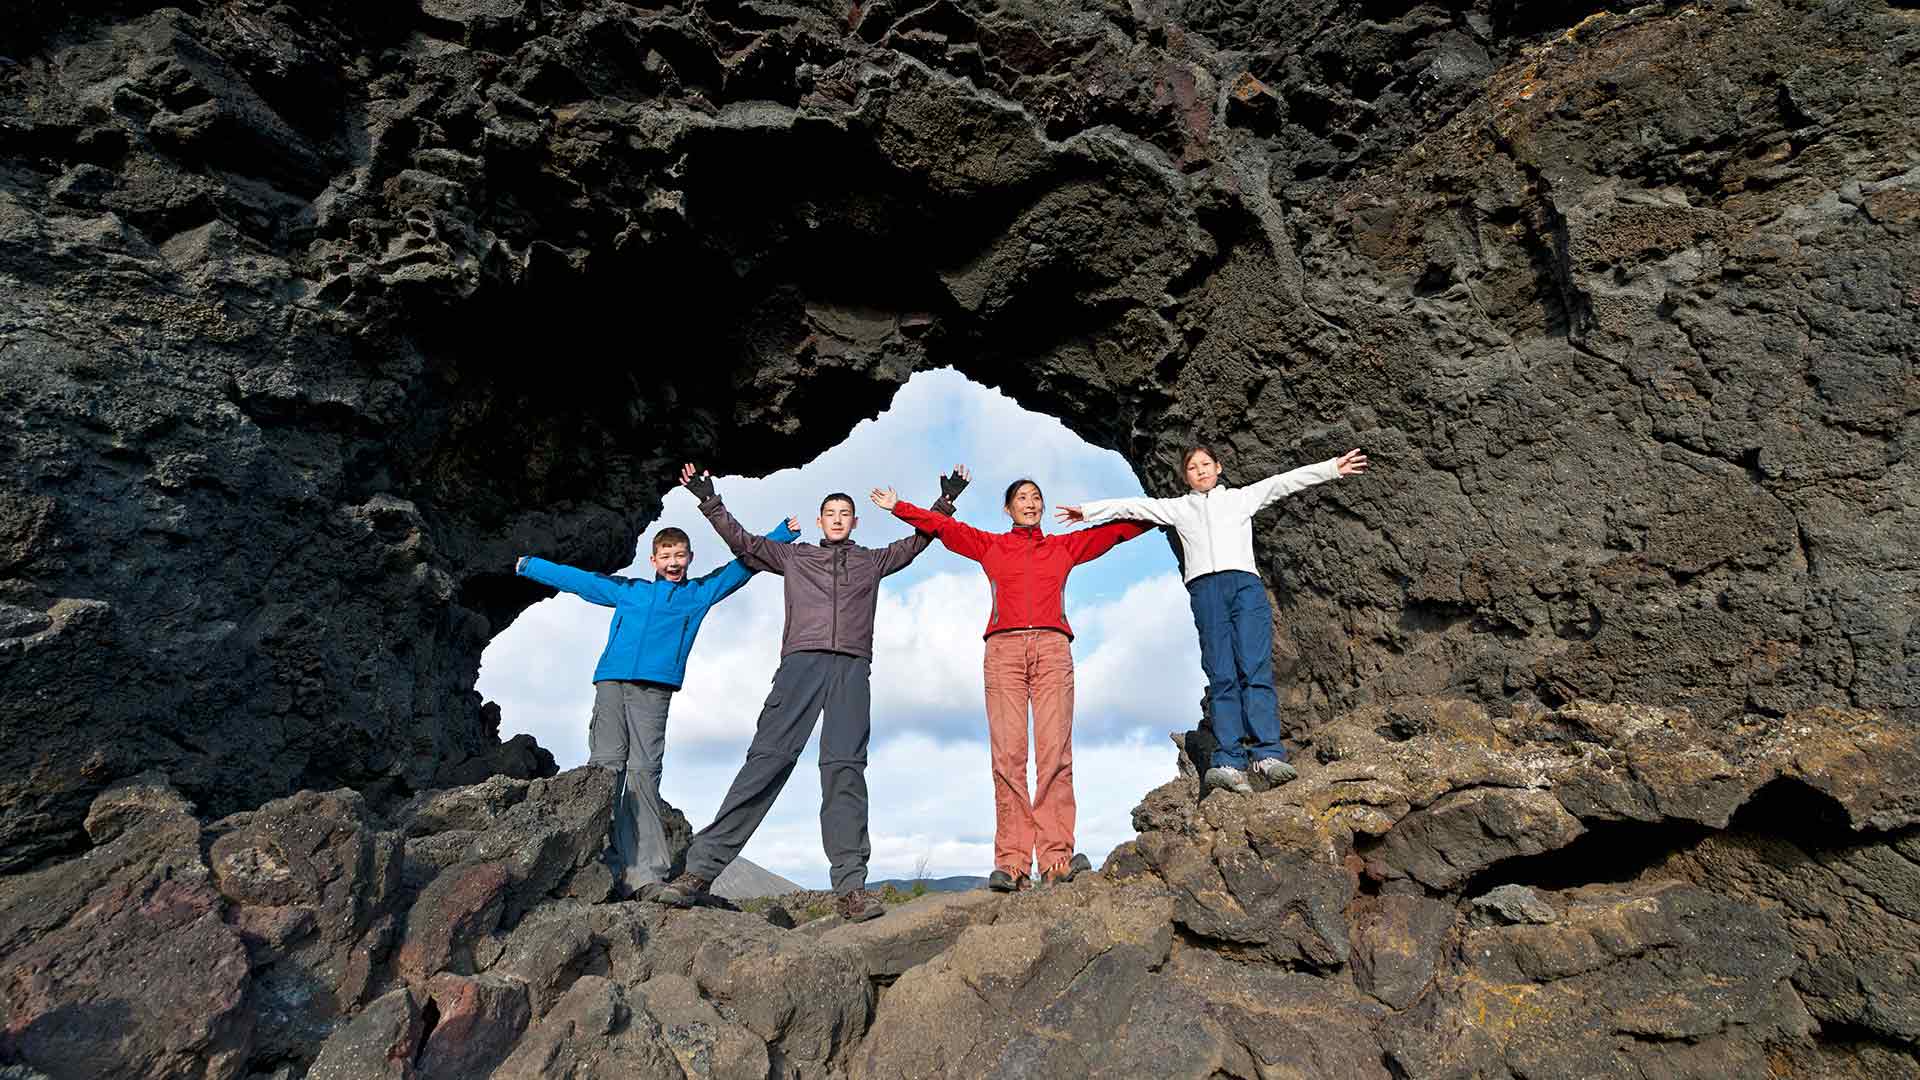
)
(645, 661)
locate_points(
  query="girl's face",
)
(1202, 471)
(1026, 506)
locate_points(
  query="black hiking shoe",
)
(1001, 881)
(1065, 870)
(683, 891)
(859, 906)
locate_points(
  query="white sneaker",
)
(1272, 772)
(1229, 778)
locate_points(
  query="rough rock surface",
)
(1623, 300)
(1631, 342)
(1730, 899)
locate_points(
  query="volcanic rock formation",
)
(1589, 891)
(313, 316)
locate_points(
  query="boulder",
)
(455, 910)
(479, 1018)
(381, 1043)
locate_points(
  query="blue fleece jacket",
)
(654, 621)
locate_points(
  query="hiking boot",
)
(683, 891)
(1271, 772)
(859, 906)
(1001, 881)
(1228, 778)
(1065, 870)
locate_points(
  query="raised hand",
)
(793, 524)
(884, 498)
(1069, 514)
(700, 484)
(1351, 463)
(952, 484)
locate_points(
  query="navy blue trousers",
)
(1235, 621)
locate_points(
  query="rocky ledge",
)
(1591, 890)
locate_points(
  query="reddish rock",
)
(455, 909)
(481, 1017)
(142, 983)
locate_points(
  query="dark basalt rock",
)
(304, 325)
(1775, 933)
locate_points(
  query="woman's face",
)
(1202, 471)
(1026, 506)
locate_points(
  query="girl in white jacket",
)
(1230, 606)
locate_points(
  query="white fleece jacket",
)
(1215, 527)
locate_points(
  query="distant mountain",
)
(960, 883)
(743, 880)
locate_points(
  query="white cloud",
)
(1142, 671)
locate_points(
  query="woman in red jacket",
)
(1029, 663)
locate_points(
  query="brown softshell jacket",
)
(832, 588)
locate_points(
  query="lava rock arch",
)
(314, 319)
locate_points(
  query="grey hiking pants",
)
(805, 683)
(628, 734)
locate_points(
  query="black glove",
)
(702, 486)
(951, 485)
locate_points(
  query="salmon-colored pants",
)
(1032, 667)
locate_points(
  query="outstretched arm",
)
(602, 589)
(897, 555)
(960, 537)
(1264, 493)
(1090, 544)
(758, 552)
(725, 581)
(1158, 511)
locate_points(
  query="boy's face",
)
(1202, 472)
(670, 561)
(837, 520)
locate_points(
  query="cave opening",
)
(1137, 665)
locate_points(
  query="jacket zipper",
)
(839, 563)
(1206, 514)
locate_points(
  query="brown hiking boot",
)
(859, 906)
(683, 891)
(1065, 870)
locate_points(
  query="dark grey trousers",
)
(805, 684)
(628, 734)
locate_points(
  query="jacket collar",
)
(1028, 532)
(845, 541)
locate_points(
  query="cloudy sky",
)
(1137, 662)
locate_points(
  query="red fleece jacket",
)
(1027, 568)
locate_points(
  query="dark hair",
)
(1186, 459)
(839, 496)
(670, 536)
(1014, 489)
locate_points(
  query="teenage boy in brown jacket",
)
(826, 659)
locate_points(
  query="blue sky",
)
(1137, 663)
